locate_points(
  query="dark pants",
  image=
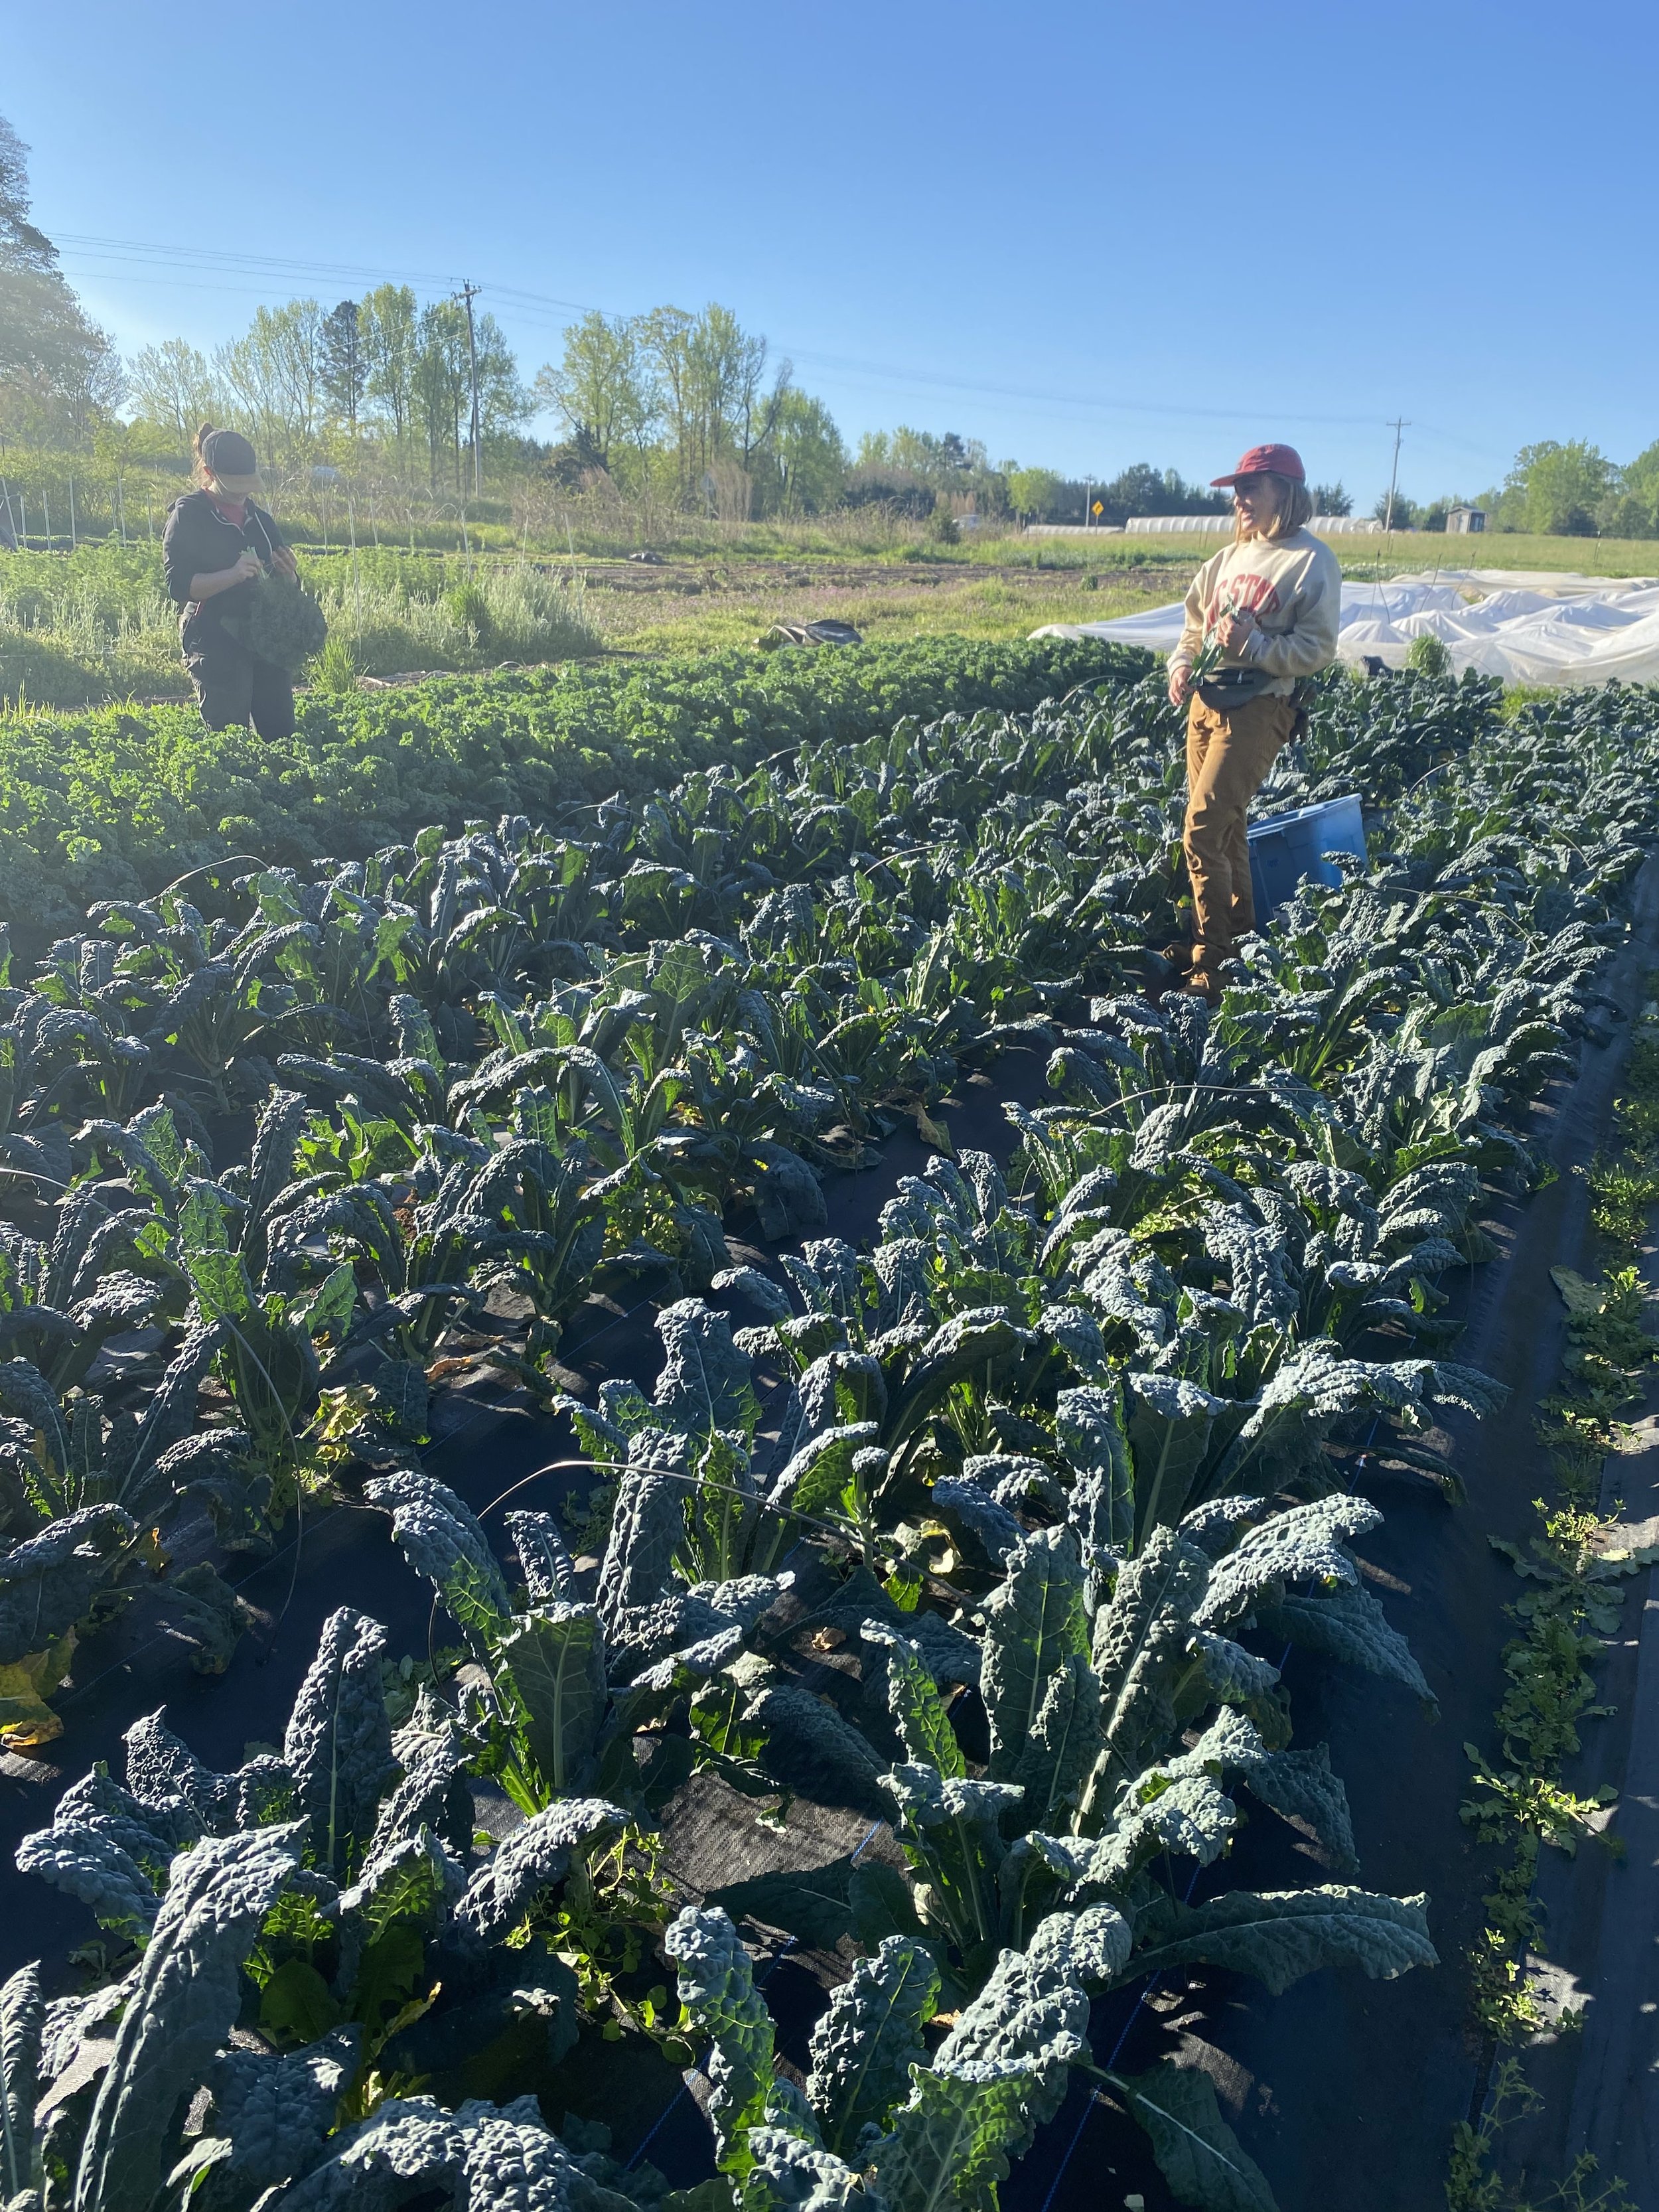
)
(233, 685)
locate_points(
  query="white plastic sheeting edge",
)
(1550, 628)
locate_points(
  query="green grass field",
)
(94, 626)
(1408, 551)
(1003, 586)
(688, 607)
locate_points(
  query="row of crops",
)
(117, 802)
(995, 1536)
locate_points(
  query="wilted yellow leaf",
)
(26, 1721)
(934, 1133)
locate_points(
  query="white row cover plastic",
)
(1552, 628)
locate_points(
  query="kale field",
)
(703, 1510)
(116, 802)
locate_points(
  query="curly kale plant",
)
(282, 624)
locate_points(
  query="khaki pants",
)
(1228, 756)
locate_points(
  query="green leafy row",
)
(118, 801)
(1053, 1458)
(463, 1128)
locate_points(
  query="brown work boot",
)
(1179, 955)
(1202, 983)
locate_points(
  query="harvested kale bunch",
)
(282, 624)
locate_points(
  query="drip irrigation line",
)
(684, 2089)
(615, 1322)
(1095, 2098)
(207, 868)
(667, 2113)
(687, 1475)
(1084, 2118)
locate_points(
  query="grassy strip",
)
(879, 602)
(1409, 552)
(114, 803)
(1571, 1609)
(96, 628)
(95, 625)
(80, 631)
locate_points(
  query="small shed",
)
(1466, 519)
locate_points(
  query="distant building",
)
(1467, 518)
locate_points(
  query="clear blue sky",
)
(1089, 234)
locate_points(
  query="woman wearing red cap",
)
(216, 542)
(1269, 605)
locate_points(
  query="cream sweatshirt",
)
(1293, 587)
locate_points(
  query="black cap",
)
(228, 453)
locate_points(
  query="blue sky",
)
(1089, 234)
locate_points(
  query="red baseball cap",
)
(1265, 460)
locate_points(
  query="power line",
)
(885, 371)
(880, 373)
(87, 244)
(536, 306)
(214, 257)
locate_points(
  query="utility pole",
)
(1397, 426)
(1087, 486)
(469, 293)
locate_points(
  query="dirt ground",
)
(681, 605)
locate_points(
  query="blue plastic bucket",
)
(1290, 848)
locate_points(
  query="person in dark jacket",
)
(216, 542)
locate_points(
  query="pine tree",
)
(345, 368)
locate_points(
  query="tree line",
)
(1572, 490)
(1554, 489)
(60, 374)
(689, 411)
(382, 366)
